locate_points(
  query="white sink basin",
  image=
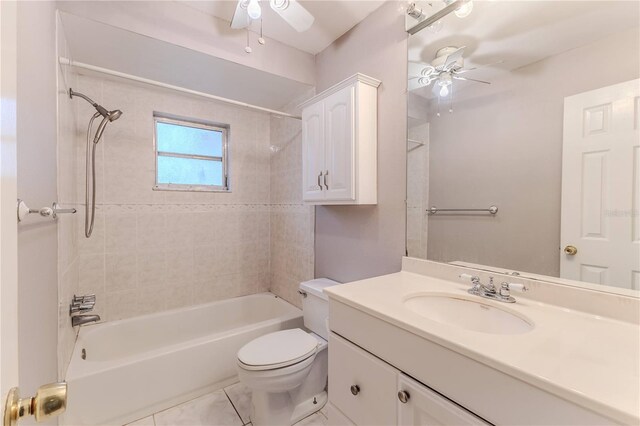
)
(468, 312)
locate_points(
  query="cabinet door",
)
(339, 171)
(313, 152)
(424, 407)
(361, 386)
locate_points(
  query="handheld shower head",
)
(111, 115)
(114, 115)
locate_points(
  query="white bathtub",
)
(138, 366)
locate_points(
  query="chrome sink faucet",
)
(79, 305)
(489, 291)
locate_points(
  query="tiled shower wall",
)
(156, 250)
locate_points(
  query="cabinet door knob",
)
(403, 396)
(355, 389)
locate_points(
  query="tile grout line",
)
(233, 405)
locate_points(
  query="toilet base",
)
(276, 409)
(308, 407)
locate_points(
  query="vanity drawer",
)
(360, 385)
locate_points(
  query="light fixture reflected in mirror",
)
(432, 20)
(464, 10)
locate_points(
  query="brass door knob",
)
(50, 400)
(570, 250)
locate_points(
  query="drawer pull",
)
(403, 396)
(355, 389)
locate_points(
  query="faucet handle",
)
(78, 300)
(81, 308)
(468, 277)
(506, 288)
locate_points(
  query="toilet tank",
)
(315, 305)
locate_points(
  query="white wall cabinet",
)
(364, 390)
(339, 143)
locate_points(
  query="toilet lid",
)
(278, 349)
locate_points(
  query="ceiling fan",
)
(448, 65)
(290, 10)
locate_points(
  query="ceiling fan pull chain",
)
(261, 38)
(248, 48)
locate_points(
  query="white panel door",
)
(424, 407)
(8, 196)
(601, 186)
(339, 172)
(313, 152)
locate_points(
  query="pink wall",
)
(356, 242)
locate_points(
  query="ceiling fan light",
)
(254, 10)
(464, 10)
(444, 91)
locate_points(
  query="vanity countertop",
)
(590, 360)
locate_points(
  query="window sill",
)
(191, 188)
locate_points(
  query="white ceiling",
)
(522, 32)
(117, 49)
(332, 19)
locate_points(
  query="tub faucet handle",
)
(80, 308)
(84, 299)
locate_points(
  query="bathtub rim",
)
(79, 368)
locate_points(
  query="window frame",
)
(197, 124)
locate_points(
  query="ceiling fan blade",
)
(462, 71)
(453, 58)
(294, 13)
(470, 79)
(240, 17)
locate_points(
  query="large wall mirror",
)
(523, 149)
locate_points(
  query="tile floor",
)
(226, 407)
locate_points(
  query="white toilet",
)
(287, 370)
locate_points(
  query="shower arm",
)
(103, 112)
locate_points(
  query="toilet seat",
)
(277, 350)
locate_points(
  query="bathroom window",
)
(191, 155)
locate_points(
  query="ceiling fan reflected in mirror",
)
(447, 66)
(291, 11)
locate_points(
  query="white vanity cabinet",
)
(364, 390)
(339, 143)
(420, 406)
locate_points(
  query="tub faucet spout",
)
(84, 319)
